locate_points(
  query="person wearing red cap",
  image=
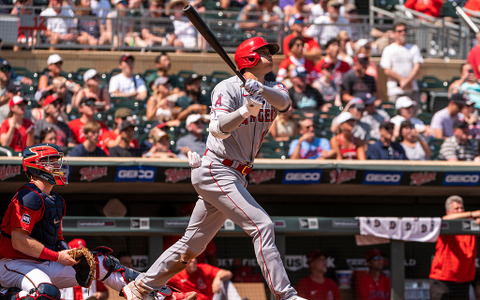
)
(297, 58)
(98, 289)
(16, 131)
(374, 285)
(332, 49)
(316, 286)
(51, 107)
(126, 84)
(311, 49)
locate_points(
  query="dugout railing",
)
(156, 228)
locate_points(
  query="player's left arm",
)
(277, 96)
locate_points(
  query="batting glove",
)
(253, 87)
(194, 160)
(252, 106)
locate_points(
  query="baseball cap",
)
(54, 58)
(386, 124)
(161, 80)
(90, 101)
(316, 254)
(125, 125)
(4, 63)
(14, 88)
(460, 123)
(362, 59)
(327, 65)
(16, 100)
(194, 118)
(334, 3)
(192, 78)
(357, 103)
(126, 56)
(123, 112)
(296, 19)
(77, 243)
(89, 74)
(459, 98)
(299, 72)
(374, 254)
(367, 98)
(344, 117)
(403, 102)
(362, 43)
(172, 3)
(50, 99)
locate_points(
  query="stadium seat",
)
(425, 117)
(435, 145)
(182, 75)
(78, 75)
(429, 82)
(148, 73)
(437, 101)
(273, 149)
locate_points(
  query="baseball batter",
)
(240, 118)
(34, 259)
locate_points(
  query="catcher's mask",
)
(46, 162)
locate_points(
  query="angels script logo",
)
(176, 175)
(92, 173)
(260, 176)
(8, 171)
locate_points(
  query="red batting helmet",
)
(46, 161)
(246, 57)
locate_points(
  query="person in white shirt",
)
(327, 27)
(60, 29)
(126, 84)
(401, 62)
(405, 108)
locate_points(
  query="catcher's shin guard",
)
(47, 291)
(112, 264)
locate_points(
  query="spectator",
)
(364, 46)
(101, 9)
(308, 146)
(163, 64)
(311, 49)
(38, 112)
(467, 84)
(340, 67)
(345, 145)
(64, 91)
(386, 148)
(195, 140)
(193, 102)
(374, 284)
(284, 126)
(158, 106)
(89, 148)
(326, 86)
(471, 117)
(123, 26)
(401, 62)
(157, 29)
(148, 143)
(373, 116)
(26, 37)
(345, 52)
(54, 69)
(16, 131)
(351, 14)
(356, 82)
(161, 147)
(415, 147)
(296, 58)
(97, 291)
(316, 286)
(61, 26)
(86, 109)
(126, 84)
(452, 280)
(5, 76)
(123, 147)
(442, 120)
(361, 130)
(185, 33)
(111, 138)
(298, 7)
(208, 281)
(459, 147)
(48, 135)
(405, 108)
(51, 107)
(474, 56)
(431, 8)
(304, 96)
(318, 9)
(264, 11)
(90, 30)
(327, 27)
(92, 89)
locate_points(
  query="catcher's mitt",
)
(85, 268)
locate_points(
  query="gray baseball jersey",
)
(223, 194)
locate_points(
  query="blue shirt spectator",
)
(308, 146)
(384, 148)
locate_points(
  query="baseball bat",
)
(205, 31)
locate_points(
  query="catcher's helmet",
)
(246, 57)
(46, 162)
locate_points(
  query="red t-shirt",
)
(201, 281)
(76, 126)
(454, 259)
(309, 45)
(307, 64)
(428, 7)
(340, 68)
(368, 289)
(112, 136)
(19, 140)
(474, 59)
(472, 5)
(309, 289)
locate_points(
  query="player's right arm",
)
(22, 242)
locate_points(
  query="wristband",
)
(244, 111)
(48, 254)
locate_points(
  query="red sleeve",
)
(318, 66)
(24, 218)
(285, 45)
(410, 4)
(312, 44)
(362, 288)
(4, 127)
(303, 289)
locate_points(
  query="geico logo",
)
(383, 177)
(140, 174)
(302, 176)
(462, 178)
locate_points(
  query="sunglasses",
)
(5, 69)
(401, 30)
(59, 63)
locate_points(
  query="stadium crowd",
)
(337, 111)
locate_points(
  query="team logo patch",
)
(26, 218)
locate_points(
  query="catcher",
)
(35, 260)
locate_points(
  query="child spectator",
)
(89, 148)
